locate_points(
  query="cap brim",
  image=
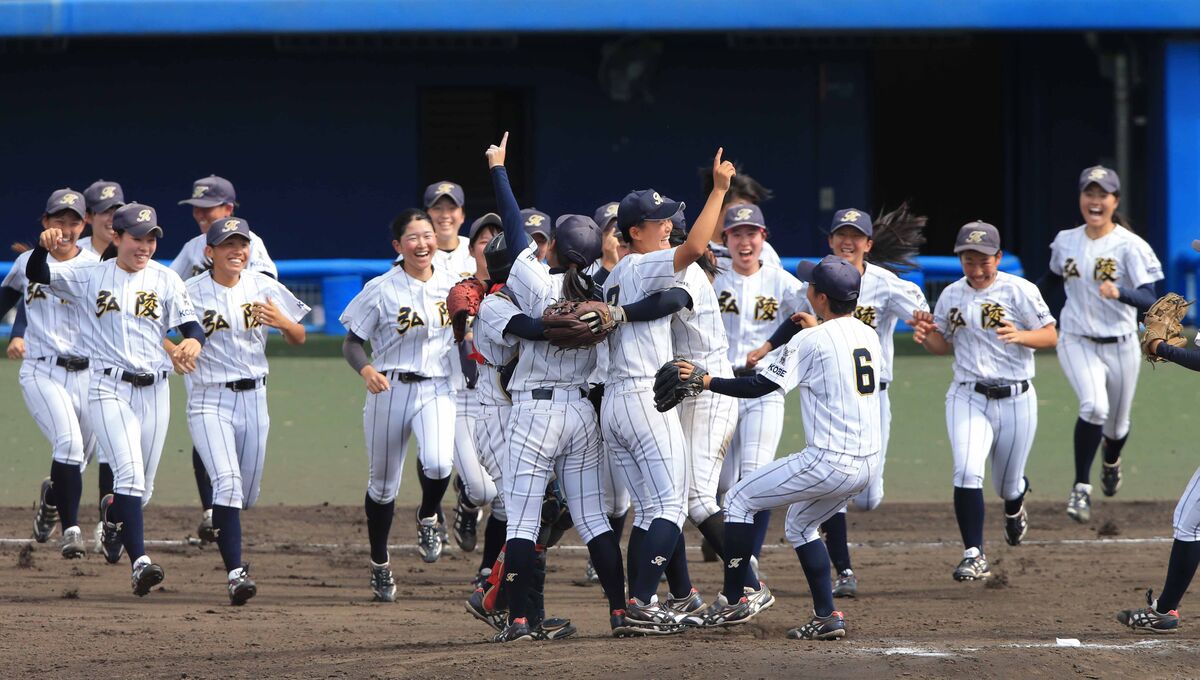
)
(666, 211)
(735, 225)
(105, 205)
(155, 231)
(447, 194)
(1103, 185)
(225, 236)
(804, 270)
(854, 225)
(68, 208)
(203, 202)
(986, 250)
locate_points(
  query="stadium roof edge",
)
(66, 18)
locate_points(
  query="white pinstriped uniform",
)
(835, 366)
(127, 315)
(229, 428)
(1187, 510)
(648, 446)
(407, 324)
(752, 308)
(191, 260)
(1104, 376)
(980, 427)
(56, 397)
(708, 420)
(883, 300)
(86, 244)
(495, 407)
(616, 494)
(553, 429)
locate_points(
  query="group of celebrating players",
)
(573, 369)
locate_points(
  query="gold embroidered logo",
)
(1106, 269)
(611, 211)
(976, 237)
(143, 215)
(407, 318)
(199, 190)
(146, 304)
(851, 216)
(34, 291)
(955, 320)
(743, 214)
(443, 313)
(866, 315)
(230, 225)
(535, 220)
(992, 315)
(1070, 269)
(1097, 174)
(108, 192)
(725, 302)
(765, 308)
(105, 302)
(69, 199)
(248, 319)
(445, 188)
(213, 322)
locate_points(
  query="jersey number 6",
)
(864, 374)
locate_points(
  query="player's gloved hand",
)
(16, 349)
(376, 381)
(671, 386)
(185, 354)
(496, 154)
(572, 324)
(1163, 323)
(596, 321)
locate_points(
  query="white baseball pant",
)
(491, 444)
(708, 421)
(1187, 511)
(229, 430)
(424, 409)
(57, 400)
(1104, 377)
(480, 486)
(1000, 428)
(649, 448)
(130, 425)
(755, 438)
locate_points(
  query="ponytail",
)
(708, 264)
(110, 252)
(577, 286)
(20, 247)
(1121, 221)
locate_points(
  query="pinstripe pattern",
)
(383, 314)
(999, 429)
(424, 409)
(637, 350)
(131, 426)
(230, 430)
(649, 450)
(491, 443)
(708, 423)
(53, 323)
(889, 299)
(496, 348)
(57, 400)
(746, 325)
(1104, 378)
(755, 439)
(480, 487)
(1085, 312)
(1187, 511)
(191, 261)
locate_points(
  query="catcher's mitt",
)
(1163, 322)
(574, 325)
(463, 302)
(669, 389)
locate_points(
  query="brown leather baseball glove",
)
(463, 302)
(574, 325)
(1163, 321)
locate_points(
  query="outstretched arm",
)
(706, 224)
(1188, 357)
(515, 240)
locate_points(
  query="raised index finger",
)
(504, 140)
(717, 159)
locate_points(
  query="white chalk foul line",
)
(928, 651)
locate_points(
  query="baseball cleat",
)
(589, 575)
(722, 613)
(429, 540)
(973, 567)
(110, 538)
(72, 544)
(1079, 503)
(832, 627)
(514, 632)
(98, 539)
(466, 523)
(206, 532)
(46, 517)
(382, 583)
(441, 527)
(1149, 619)
(476, 608)
(759, 599)
(691, 603)
(481, 579)
(553, 628)
(146, 575)
(1110, 478)
(654, 619)
(242, 587)
(846, 584)
(1016, 526)
(621, 627)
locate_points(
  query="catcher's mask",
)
(496, 256)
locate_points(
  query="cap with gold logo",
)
(1105, 178)
(222, 229)
(438, 189)
(211, 192)
(605, 215)
(65, 200)
(536, 223)
(853, 217)
(978, 236)
(488, 220)
(744, 215)
(103, 195)
(647, 204)
(137, 220)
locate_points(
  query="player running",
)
(55, 374)
(1108, 273)
(134, 301)
(992, 322)
(227, 393)
(403, 315)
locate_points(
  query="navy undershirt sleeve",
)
(515, 238)
(659, 305)
(786, 331)
(526, 327)
(36, 268)
(9, 297)
(1188, 357)
(1143, 297)
(750, 387)
(191, 329)
(1053, 288)
(19, 323)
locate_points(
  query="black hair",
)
(898, 238)
(1119, 219)
(840, 307)
(577, 286)
(708, 264)
(741, 185)
(405, 218)
(111, 251)
(20, 247)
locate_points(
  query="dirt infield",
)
(313, 617)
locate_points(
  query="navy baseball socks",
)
(493, 540)
(679, 581)
(657, 547)
(519, 555)
(228, 523)
(968, 510)
(814, 559)
(203, 483)
(128, 511)
(836, 542)
(762, 522)
(633, 554)
(432, 492)
(106, 479)
(67, 487)
(379, 525)
(1185, 556)
(605, 552)
(739, 546)
(1087, 441)
(713, 529)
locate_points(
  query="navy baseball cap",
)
(438, 189)
(211, 192)
(833, 276)
(1106, 178)
(743, 215)
(679, 219)
(488, 220)
(646, 204)
(535, 222)
(852, 217)
(978, 236)
(65, 199)
(221, 230)
(605, 214)
(577, 239)
(137, 220)
(103, 195)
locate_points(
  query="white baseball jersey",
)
(883, 300)
(835, 365)
(497, 349)
(406, 322)
(458, 262)
(638, 349)
(542, 364)
(54, 322)
(236, 344)
(127, 313)
(769, 257)
(753, 307)
(697, 333)
(1084, 263)
(86, 244)
(969, 318)
(191, 261)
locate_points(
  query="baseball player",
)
(743, 190)
(1107, 272)
(213, 198)
(834, 365)
(133, 302)
(227, 394)
(403, 315)
(1162, 615)
(103, 199)
(54, 375)
(992, 322)
(553, 429)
